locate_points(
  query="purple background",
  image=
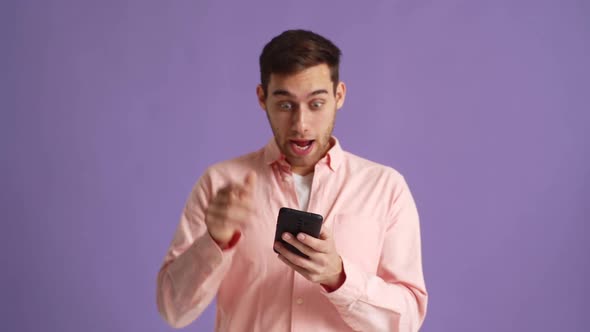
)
(110, 110)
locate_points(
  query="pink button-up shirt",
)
(375, 224)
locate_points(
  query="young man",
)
(364, 272)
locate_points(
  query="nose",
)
(300, 120)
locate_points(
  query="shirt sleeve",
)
(194, 265)
(395, 298)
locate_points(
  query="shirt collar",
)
(332, 159)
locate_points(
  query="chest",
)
(355, 215)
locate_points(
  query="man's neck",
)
(303, 171)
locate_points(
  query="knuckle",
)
(231, 198)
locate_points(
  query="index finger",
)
(250, 181)
(318, 244)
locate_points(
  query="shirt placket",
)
(298, 305)
(297, 301)
(300, 284)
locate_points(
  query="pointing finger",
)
(250, 181)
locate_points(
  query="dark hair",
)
(296, 50)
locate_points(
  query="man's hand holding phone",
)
(229, 211)
(324, 265)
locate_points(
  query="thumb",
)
(250, 181)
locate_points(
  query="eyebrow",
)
(281, 92)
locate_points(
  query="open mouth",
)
(301, 147)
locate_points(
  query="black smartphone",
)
(295, 222)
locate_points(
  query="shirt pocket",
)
(359, 239)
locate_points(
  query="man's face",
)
(301, 109)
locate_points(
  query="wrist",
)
(228, 244)
(336, 282)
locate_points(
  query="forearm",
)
(367, 302)
(188, 283)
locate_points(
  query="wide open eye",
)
(286, 106)
(316, 104)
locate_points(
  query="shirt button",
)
(299, 300)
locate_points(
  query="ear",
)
(340, 94)
(261, 97)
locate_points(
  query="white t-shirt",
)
(303, 187)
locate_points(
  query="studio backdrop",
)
(111, 110)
